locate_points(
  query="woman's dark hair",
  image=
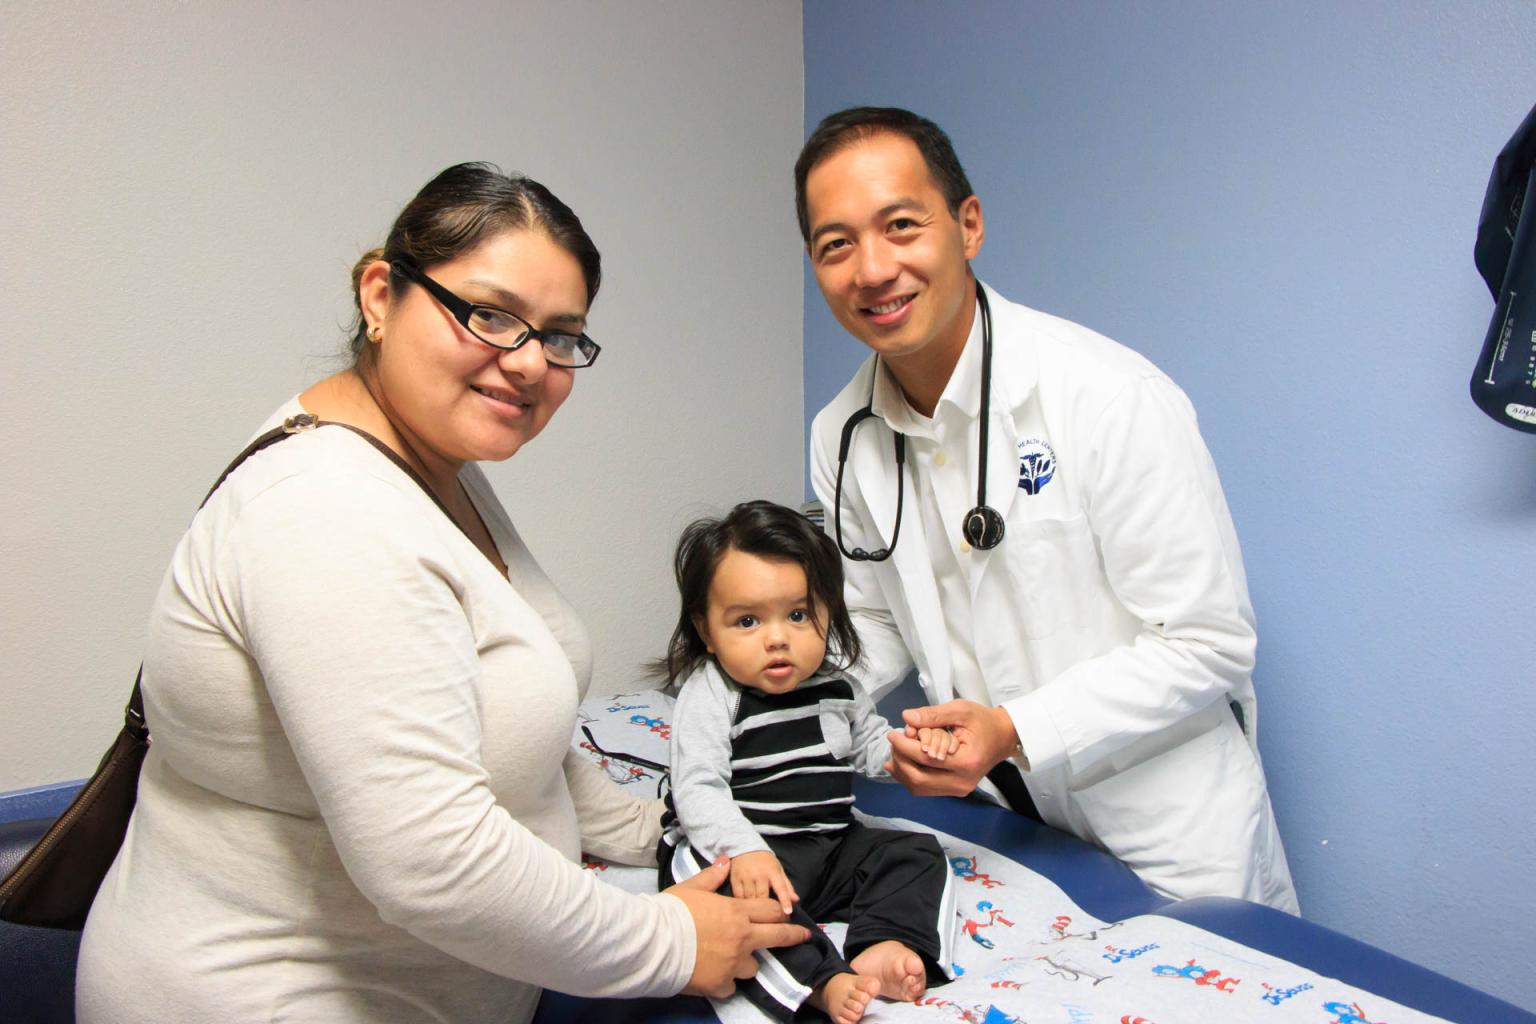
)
(768, 531)
(459, 209)
(840, 130)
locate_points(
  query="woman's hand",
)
(759, 874)
(728, 931)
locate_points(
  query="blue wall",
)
(1277, 204)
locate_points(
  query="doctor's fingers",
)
(956, 712)
(928, 780)
(922, 781)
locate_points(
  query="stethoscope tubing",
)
(983, 526)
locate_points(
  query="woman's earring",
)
(374, 333)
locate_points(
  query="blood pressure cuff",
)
(1504, 380)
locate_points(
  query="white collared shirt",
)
(942, 455)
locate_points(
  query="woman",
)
(360, 803)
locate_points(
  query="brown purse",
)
(53, 885)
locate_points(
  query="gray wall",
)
(183, 190)
(1277, 203)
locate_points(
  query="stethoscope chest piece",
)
(983, 527)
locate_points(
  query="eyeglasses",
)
(501, 329)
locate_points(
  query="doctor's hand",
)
(728, 931)
(984, 736)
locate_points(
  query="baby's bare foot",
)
(845, 997)
(901, 972)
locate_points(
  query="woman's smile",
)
(505, 400)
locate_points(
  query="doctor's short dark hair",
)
(838, 131)
(772, 532)
(458, 210)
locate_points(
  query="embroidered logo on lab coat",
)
(1037, 464)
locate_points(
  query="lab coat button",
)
(938, 459)
(964, 546)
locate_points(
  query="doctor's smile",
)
(887, 313)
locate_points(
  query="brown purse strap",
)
(133, 714)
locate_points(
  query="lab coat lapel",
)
(873, 463)
(1002, 482)
(1013, 381)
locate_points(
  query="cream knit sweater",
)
(360, 803)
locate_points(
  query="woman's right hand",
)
(728, 930)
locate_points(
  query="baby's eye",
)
(747, 621)
(799, 615)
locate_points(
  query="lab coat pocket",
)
(1195, 806)
(1144, 797)
(836, 731)
(1055, 568)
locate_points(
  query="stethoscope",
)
(983, 526)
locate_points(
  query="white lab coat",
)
(1113, 622)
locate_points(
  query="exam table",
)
(1108, 890)
(37, 965)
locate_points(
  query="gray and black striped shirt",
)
(747, 764)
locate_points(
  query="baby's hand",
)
(938, 742)
(756, 875)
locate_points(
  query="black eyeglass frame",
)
(462, 310)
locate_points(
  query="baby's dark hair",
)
(768, 531)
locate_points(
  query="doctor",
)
(1029, 516)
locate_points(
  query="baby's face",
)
(759, 625)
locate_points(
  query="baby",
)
(766, 736)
